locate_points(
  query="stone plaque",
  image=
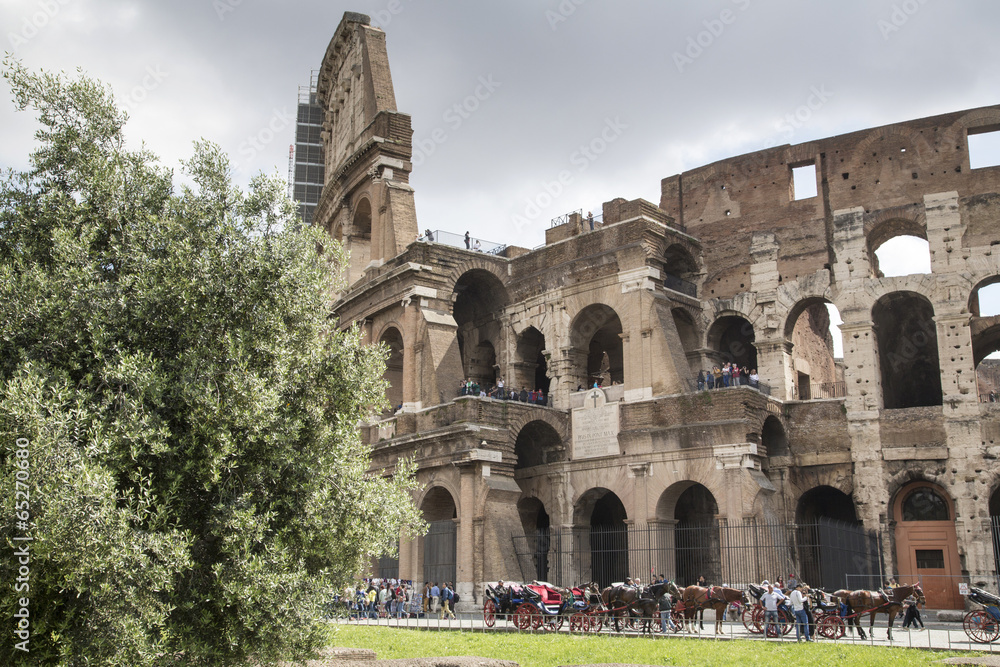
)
(595, 427)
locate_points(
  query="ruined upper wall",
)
(886, 170)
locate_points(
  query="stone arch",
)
(886, 226)
(479, 263)
(691, 512)
(773, 437)
(595, 331)
(530, 363)
(536, 524)
(680, 269)
(479, 299)
(731, 339)
(602, 512)
(825, 502)
(926, 541)
(558, 421)
(906, 336)
(392, 336)
(974, 294)
(361, 221)
(538, 443)
(437, 549)
(814, 365)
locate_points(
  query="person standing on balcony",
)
(468, 241)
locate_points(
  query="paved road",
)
(937, 636)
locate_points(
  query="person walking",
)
(447, 595)
(435, 597)
(799, 610)
(665, 606)
(912, 614)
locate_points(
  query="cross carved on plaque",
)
(594, 395)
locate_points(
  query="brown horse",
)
(697, 599)
(618, 600)
(888, 602)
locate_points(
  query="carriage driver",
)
(770, 600)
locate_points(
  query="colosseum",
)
(615, 460)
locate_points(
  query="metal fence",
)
(821, 553)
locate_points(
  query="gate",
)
(439, 552)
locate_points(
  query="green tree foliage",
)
(198, 487)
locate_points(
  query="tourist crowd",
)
(499, 391)
(729, 375)
(396, 598)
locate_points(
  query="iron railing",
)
(821, 553)
(678, 284)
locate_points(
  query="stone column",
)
(465, 533)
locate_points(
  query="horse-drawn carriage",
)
(753, 616)
(983, 625)
(539, 605)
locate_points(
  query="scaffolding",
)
(305, 156)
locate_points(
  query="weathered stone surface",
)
(729, 267)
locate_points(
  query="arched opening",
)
(680, 270)
(531, 366)
(984, 304)
(537, 444)
(731, 339)
(597, 338)
(898, 247)
(439, 544)
(832, 543)
(480, 299)
(825, 502)
(535, 521)
(927, 544)
(393, 340)
(908, 350)
(696, 534)
(605, 514)
(361, 225)
(815, 341)
(773, 438)
(687, 331)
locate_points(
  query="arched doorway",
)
(834, 548)
(604, 512)
(908, 350)
(531, 366)
(731, 338)
(773, 438)
(535, 559)
(696, 534)
(537, 444)
(439, 544)
(597, 343)
(815, 344)
(926, 543)
(480, 299)
(393, 368)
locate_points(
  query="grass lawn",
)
(540, 650)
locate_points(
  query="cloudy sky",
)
(669, 85)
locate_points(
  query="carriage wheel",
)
(490, 613)
(749, 619)
(578, 622)
(830, 625)
(553, 623)
(523, 616)
(758, 621)
(596, 623)
(786, 621)
(980, 627)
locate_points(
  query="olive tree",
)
(178, 401)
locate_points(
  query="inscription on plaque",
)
(595, 427)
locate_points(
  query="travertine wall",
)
(728, 265)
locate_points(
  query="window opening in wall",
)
(984, 148)
(989, 300)
(903, 256)
(804, 181)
